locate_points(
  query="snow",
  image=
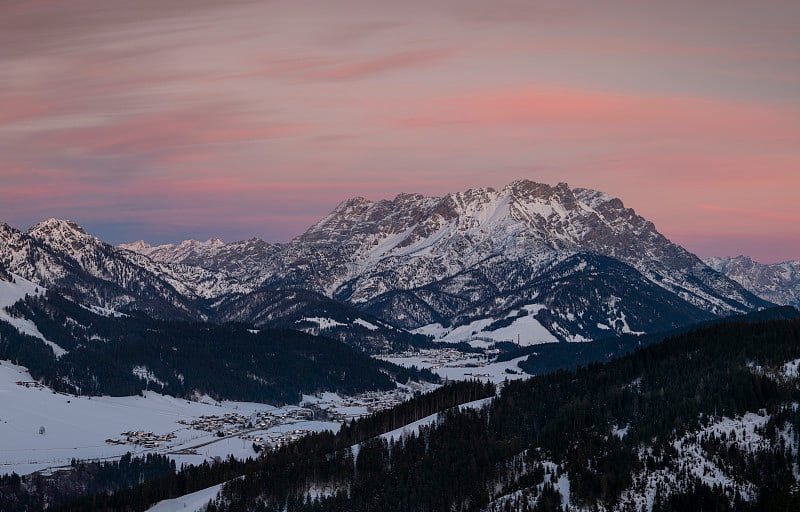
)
(529, 331)
(77, 426)
(97, 310)
(526, 329)
(145, 374)
(10, 293)
(414, 427)
(563, 487)
(792, 369)
(323, 323)
(194, 502)
(364, 323)
(693, 459)
(466, 367)
(620, 432)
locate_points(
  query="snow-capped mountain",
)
(60, 254)
(245, 261)
(420, 262)
(529, 261)
(775, 282)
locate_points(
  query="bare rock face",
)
(775, 282)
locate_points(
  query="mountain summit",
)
(528, 263)
(577, 260)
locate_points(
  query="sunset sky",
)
(164, 120)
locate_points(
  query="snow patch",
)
(323, 323)
(364, 323)
(792, 369)
(525, 329)
(620, 432)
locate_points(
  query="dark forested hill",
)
(125, 355)
(706, 420)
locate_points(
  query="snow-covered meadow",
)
(77, 427)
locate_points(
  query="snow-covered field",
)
(77, 427)
(453, 365)
(525, 329)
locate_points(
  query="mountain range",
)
(527, 263)
(775, 282)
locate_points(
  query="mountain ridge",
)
(776, 282)
(411, 262)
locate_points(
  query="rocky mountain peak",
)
(51, 228)
(63, 235)
(138, 246)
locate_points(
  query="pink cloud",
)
(570, 113)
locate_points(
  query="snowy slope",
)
(193, 502)
(14, 290)
(77, 426)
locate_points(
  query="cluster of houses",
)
(446, 357)
(276, 440)
(232, 423)
(140, 437)
(227, 424)
(343, 409)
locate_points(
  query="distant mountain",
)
(775, 282)
(530, 262)
(244, 261)
(476, 260)
(60, 254)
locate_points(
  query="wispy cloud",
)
(270, 113)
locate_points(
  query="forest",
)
(230, 361)
(623, 434)
(508, 455)
(135, 483)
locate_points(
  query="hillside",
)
(703, 421)
(80, 351)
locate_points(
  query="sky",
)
(172, 119)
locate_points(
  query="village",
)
(272, 428)
(140, 437)
(437, 358)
